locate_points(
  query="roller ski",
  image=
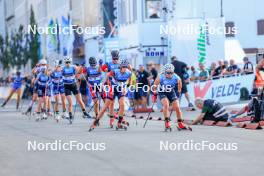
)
(27, 112)
(57, 117)
(122, 124)
(70, 118)
(38, 117)
(167, 125)
(112, 121)
(64, 115)
(94, 125)
(86, 115)
(44, 116)
(182, 126)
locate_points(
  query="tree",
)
(6, 56)
(34, 44)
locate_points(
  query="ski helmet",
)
(92, 61)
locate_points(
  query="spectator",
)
(180, 69)
(203, 75)
(219, 70)
(226, 65)
(142, 77)
(248, 66)
(232, 69)
(212, 71)
(194, 75)
(153, 72)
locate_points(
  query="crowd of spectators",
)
(220, 70)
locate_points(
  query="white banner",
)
(224, 90)
(189, 44)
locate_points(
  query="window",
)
(127, 10)
(153, 9)
(260, 27)
(229, 26)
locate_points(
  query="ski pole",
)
(148, 116)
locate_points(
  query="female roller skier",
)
(69, 72)
(117, 89)
(58, 90)
(43, 90)
(16, 88)
(108, 67)
(94, 78)
(168, 86)
(42, 64)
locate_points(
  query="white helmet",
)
(123, 63)
(168, 67)
(43, 62)
(67, 59)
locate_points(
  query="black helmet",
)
(92, 61)
(115, 54)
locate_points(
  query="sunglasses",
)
(67, 62)
(115, 58)
(169, 73)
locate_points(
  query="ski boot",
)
(167, 125)
(28, 111)
(49, 114)
(94, 124)
(64, 115)
(182, 126)
(112, 121)
(86, 115)
(70, 118)
(122, 124)
(57, 117)
(3, 105)
(44, 116)
(97, 124)
(38, 117)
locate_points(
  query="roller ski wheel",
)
(121, 126)
(168, 129)
(44, 117)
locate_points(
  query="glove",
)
(101, 62)
(154, 98)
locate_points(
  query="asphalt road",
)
(136, 152)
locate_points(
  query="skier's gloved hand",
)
(101, 62)
(154, 98)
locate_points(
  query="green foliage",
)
(18, 48)
(34, 44)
